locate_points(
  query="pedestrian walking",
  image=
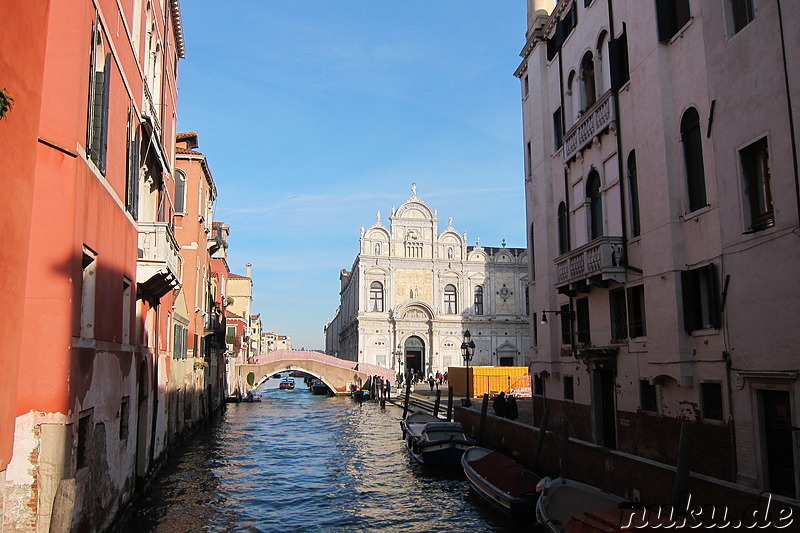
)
(512, 412)
(500, 405)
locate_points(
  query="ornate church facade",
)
(412, 292)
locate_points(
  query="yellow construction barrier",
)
(492, 379)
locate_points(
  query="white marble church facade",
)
(412, 291)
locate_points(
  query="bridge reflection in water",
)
(296, 461)
(337, 374)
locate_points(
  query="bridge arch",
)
(337, 374)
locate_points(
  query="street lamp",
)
(467, 351)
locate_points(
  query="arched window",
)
(450, 300)
(633, 193)
(180, 193)
(693, 159)
(478, 300)
(602, 69)
(594, 202)
(563, 233)
(376, 297)
(587, 81)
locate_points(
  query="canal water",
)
(297, 461)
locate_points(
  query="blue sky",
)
(316, 114)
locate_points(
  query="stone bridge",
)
(338, 374)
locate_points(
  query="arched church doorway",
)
(415, 355)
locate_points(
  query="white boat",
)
(431, 440)
(563, 502)
(501, 481)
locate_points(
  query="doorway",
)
(415, 355)
(605, 410)
(777, 441)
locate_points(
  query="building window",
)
(558, 129)
(132, 168)
(647, 396)
(757, 185)
(637, 322)
(587, 81)
(126, 311)
(527, 301)
(450, 300)
(538, 385)
(478, 300)
(563, 232)
(99, 81)
(700, 299)
(85, 430)
(672, 15)
(619, 315)
(88, 290)
(179, 337)
(711, 400)
(693, 159)
(124, 416)
(740, 13)
(566, 324)
(528, 160)
(618, 57)
(532, 249)
(633, 193)
(582, 316)
(376, 297)
(180, 193)
(525, 89)
(594, 201)
(569, 22)
(569, 388)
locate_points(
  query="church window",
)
(450, 299)
(478, 300)
(376, 297)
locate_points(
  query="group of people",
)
(415, 376)
(505, 407)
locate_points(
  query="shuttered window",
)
(99, 81)
(700, 299)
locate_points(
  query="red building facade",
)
(91, 257)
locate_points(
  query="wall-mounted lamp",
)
(568, 314)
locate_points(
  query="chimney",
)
(249, 269)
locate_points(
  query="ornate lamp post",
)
(467, 351)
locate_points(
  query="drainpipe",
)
(620, 154)
(789, 110)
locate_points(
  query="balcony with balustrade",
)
(157, 265)
(595, 263)
(598, 118)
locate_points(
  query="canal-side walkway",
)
(423, 397)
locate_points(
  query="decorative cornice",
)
(177, 26)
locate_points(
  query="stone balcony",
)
(157, 265)
(596, 262)
(589, 126)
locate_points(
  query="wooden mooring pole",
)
(449, 403)
(537, 453)
(437, 402)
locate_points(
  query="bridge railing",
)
(299, 355)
